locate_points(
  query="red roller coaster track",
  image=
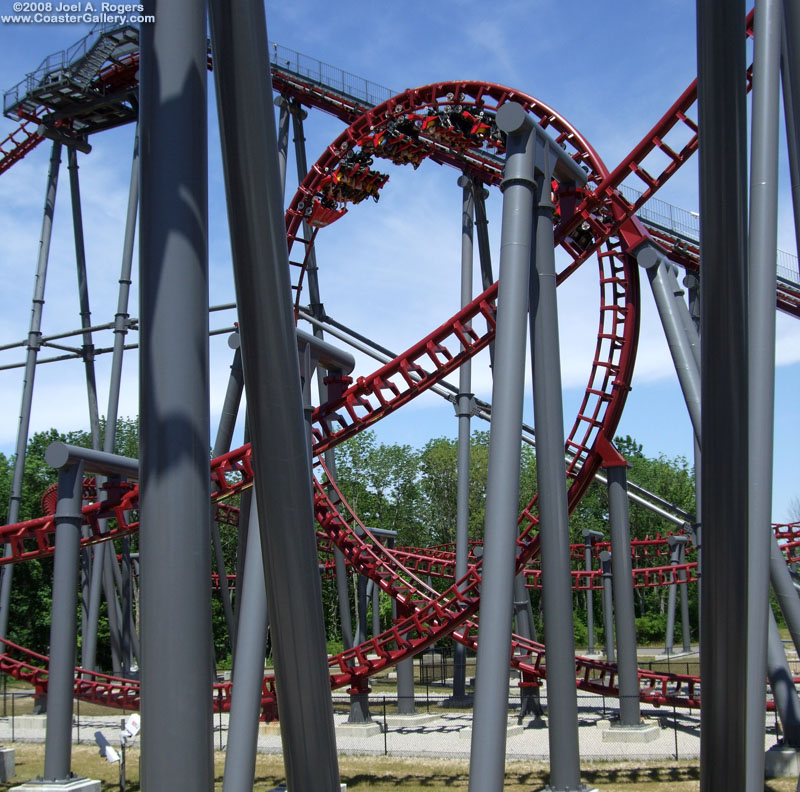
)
(450, 123)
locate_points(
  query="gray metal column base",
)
(781, 761)
(530, 704)
(37, 785)
(7, 764)
(359, 707)
(616, 732)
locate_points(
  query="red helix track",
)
(429, 616)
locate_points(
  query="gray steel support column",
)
(240, 756)
(87, 350)
(587, 545)
(405, 672)
(790, 77)
(562, 701)
(175, 601)
(762, 287)
(269, 357)
(405, 680)
(608, 606)
(677, 543)
(490, 714)
(102, 551)
(463, 407)
(683, 584)
(484, 250)
(685, 312)
(624, 616)
(376, 609)
(724, 373)
(102, 581)
(222, 444)
(359, 692)
(63, 629)
(241, 550)
(692, 282)
(589, 538)
(361, 609)
(34, 340)
(405, 687)
(785, 592)
(283, 139)
(359, 702)
(783, 689)
(480, 194)
(671, 306)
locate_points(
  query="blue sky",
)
(391, 270)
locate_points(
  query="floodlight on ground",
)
(106, 749)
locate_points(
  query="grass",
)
(388, 774)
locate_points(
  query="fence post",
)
(385, 730)
(675, 730)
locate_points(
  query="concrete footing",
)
(781, 761)
(30, 722)
(615, 732)
(409, 721)
(7, 766)
(359, 729)
(67, 785)
(511, 731)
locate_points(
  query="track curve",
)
(395, 384)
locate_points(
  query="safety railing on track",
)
(360, 88)
(674, 219)
(686, 224)
(52, 64)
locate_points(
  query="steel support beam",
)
(562, 701)
(678, 545)
(87, 351)
(608, 605)
(724, 382)
(175, 601)
(63, 629)
(463, 407)
(677, 324)
(269, 358)
(248, 678)
(762, 293)
(624, 616)
(33, 344)
(100, 580)
(222, 444)
(490, 714)
(783, 689)
(283, 140)
(785, 591)
(589, 538)
(531, 158)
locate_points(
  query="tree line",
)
(392, 486)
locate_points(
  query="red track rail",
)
(612, 222)
(22, 140)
